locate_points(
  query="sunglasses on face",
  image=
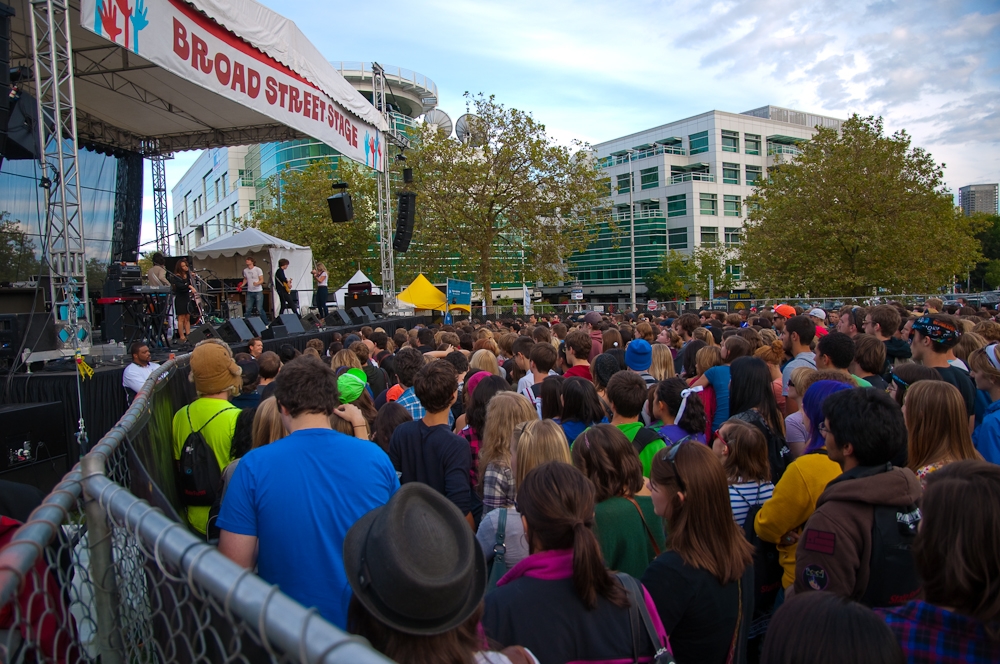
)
(670, 457)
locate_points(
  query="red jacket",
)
(596, 344)
(42, 617)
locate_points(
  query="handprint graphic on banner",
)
(106, 21)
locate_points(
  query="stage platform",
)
(104, 398)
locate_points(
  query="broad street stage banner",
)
(184, 41)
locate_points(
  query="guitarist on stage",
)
(283, 287)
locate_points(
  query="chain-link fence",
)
(98, 574)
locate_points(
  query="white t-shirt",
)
(322, 278)
(253, 275)
(135, 376)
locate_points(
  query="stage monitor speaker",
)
(311, 321)
(235, 331)
(339, 318)
(256, 324)
(341, 208)
(274, 331)
(202, 332)
(358, 315)
(407, 207)
(368, 314)
(291, 323)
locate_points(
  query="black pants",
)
(287, 300)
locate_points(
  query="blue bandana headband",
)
(939, 331)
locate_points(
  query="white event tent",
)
(225, 258)
(359, 277)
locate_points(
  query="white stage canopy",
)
(170, 75)
(225, 258)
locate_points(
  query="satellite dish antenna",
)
(464, 130)
(439, 120)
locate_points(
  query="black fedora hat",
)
(414, 562)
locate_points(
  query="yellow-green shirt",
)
(218, 434)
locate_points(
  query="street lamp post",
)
(631, 224)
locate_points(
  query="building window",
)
(709, 204)
(649, 178)
(624, 185)
(751, 143)
(677, 205)
(731, 206)
(709, 236)
(677, 238)
(606, 186)
(225, 184)
(735, 271)
(730, 141)
(698, 142)
(753, 174)
(730, 173)
(733, 236)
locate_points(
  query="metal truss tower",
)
(158, 162)
(52, 56)
(384, 199)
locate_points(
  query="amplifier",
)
(125, 271)
(233, 309)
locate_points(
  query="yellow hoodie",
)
(792, 503)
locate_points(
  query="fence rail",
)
(98, 574)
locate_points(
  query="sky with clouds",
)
(597, 70)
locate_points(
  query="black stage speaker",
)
(358, 315)
(338, 318)
(368, 312)
(202, 332)
(22, 130)
(235, 331)
(407, 207)
(291, 323)
(311, 321)
(256, 324)
(36, 331)
(33, 444)
(341, 207)
(274, 331)
(5, 13)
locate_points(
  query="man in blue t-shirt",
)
(290, 504)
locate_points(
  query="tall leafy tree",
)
(296, 210)
(17, 251)
(856, 211)
(509, 198)
(674, 279)
(987, 273)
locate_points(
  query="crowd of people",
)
(782, 485)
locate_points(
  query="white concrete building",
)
(689, 183)
(210, 197)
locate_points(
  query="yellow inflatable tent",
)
(422, 294)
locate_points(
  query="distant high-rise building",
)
(978, 198)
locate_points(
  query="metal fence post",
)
(102, 568)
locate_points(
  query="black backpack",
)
(892, 578)
(199, 477)
(767, 569)
(644, 437)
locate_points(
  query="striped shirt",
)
(745, 495)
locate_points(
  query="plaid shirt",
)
(929, 634)
(498, 488)
(408, 400)
(474, 444)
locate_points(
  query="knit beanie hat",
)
(639, 355)
(213, 369)
(604, 367)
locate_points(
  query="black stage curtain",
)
(104, 399)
